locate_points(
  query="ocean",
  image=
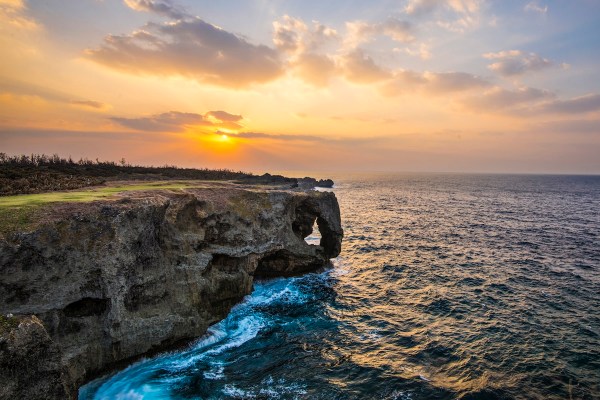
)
(448, 286)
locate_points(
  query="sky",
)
(269, 85)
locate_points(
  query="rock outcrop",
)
(113, 280)
(30, 364)
(309, 183)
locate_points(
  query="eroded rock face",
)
(30, 364)
(114, 280)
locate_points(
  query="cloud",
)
(175, 121)
(422, 51)
(20, 88)
(190, 48)
(13, 14)
(360, 32)
(577, 126)
(421, 7)
(287, 33)
(29, 89)
(90, 104)
(577, 105)
(433, 82)
(224, 116)
(261, 135)
(454, 81)
(499, 99)
(293, 35)
(360, 68)
(516, 62)
(527, 101)
(316, 69)
(339, 141)
(533, 6)
(164, 7)
(453, 15)
(302, 43)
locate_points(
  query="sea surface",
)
(448, 287)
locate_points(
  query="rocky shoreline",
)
(105, 282)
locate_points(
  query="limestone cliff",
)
(112, 280)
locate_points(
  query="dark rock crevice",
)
(86, 307)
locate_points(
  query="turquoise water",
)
(448, 286)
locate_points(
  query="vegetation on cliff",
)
(28, 184)
(38, 173)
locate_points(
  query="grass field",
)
(21, 211)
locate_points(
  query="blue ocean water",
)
(448, 287)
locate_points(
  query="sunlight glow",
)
(376, 92)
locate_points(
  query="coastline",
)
(114, 280)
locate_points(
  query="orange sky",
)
(414, 85)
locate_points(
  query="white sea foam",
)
(288, 294)
(233, 391)
(131, 395)
(246, 329)
(216, 372)
(269, 388)
(340, 267)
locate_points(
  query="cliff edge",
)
(114, 279)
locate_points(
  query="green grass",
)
(25, 200)
(20, 212)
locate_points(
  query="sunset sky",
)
(270, 85)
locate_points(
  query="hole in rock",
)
(314, 237)
(86, 307)
(305, 224)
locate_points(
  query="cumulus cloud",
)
(316, 69)
(420, 7)
(303, 44)
(360, 68)
(175, 121)
(360, 31)
(432, 82)
(534, 6)
(293, 35)
(287, 33)
(191, 48)
(453, 15)
(422, 51)
(516, 62)
(161, 7)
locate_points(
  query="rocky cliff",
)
(112, 280)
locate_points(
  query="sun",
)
(224, 138)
